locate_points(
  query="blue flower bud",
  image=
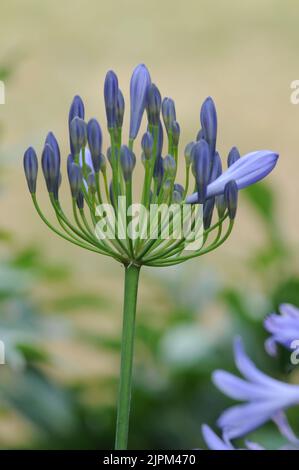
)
(177, 197)
(51, 168)
(91, 183)
(208, 209)
(166, 188)
(216, 170)
(78, 134)
(168, 113)
(201, 166)
(120, 109)
(80, 200)
(231, 198)
(30, 168)
(139, 85)
(76, 109)
(178, 193)
(127, 162)
(175, 129)
(169, 165)
(220, 205)
(188, 153)
(75, 179)
(69, 162)
(147, 143)
(153, 105)
(208, 119)
(94, 137)
(99, 163)
(233, 156)
(57, 186)
(52, 141)
(179, 188)
(111, 96)
(159, 171)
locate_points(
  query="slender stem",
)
(127, 347)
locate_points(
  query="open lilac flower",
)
(265, 397)
(245, 171)
(284, 328)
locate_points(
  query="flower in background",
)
(214, 442)
(284, 328)
(265, 398)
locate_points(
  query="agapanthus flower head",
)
(265, 398)
(284, 328)
(213, 203)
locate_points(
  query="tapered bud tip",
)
(153, 105)
(175, 130)
(233, 156)
(31, 168)
(231, 198)
(120, 109)
(94, 137)
(140, 82)
(208, 119)
(169, 165)
(75, 179)
(147, 143)
(168, 113)
(110, 96)
(78, 134)
(127, 162)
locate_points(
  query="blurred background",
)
(60, 307)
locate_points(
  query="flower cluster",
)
(265, 398)
(92, 184)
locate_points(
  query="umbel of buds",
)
(208, 212)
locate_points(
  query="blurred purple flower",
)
(284, 328)
(245, 171)
(266, 397)
(214, 442)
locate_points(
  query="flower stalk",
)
(127, 350)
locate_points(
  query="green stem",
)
(127, 347)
